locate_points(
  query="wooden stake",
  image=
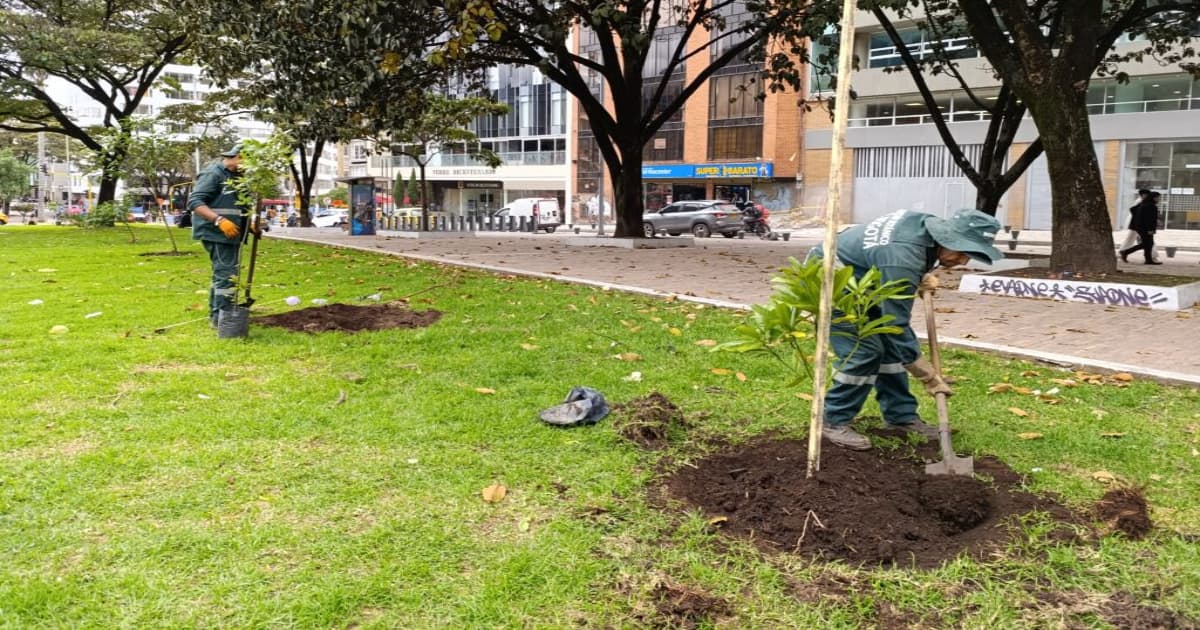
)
(825, 314)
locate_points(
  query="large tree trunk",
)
(108, 189)
(627, 194)
(1082, 229)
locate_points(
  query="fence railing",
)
(470, 223)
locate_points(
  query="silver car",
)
(701, 218)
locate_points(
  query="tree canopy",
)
(628, 73)
(111, 51)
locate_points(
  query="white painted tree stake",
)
(841, 110)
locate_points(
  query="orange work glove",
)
(227, 227)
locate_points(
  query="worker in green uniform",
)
(903, 245)
(218, 222)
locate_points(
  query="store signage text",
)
(727, 170)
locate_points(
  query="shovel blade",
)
(952, 466)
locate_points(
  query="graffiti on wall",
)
(775, 197)
(1070, 291)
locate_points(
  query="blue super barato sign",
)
(720, 170)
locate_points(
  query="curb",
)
(1058, 360)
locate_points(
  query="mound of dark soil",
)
(647, 421)
(1124, 510)
(872, 507)
(350, 318)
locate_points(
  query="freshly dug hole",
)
(872, 507)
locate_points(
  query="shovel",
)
(951, 464)
(253, 256)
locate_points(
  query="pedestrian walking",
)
(904, 245)
(218, 222)
(1145, 223)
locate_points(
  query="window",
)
(732, 143)
(735, 96)
(882, 53)
(666, 145)
(921, 161)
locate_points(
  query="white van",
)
(543, 211)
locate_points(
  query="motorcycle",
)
(754, 218)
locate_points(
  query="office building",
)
(1146, 133)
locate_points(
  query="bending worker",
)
(218, 222)
(903, 245)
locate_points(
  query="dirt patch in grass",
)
(1124, 510)
(876, 507)
(678, 606)
(167, 254)
(350, 318)
(1126, 277)
(648, 421)
(1121, 609)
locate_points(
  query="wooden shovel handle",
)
(935, 356)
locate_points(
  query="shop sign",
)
(725, 170)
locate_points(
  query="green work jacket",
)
(213, 189)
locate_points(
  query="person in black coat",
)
(1145, 223)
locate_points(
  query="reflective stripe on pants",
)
(224, 258)
(863, 365)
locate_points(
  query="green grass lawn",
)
(179, 480)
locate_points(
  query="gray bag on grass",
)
(583, 406)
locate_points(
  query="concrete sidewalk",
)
(735, 273)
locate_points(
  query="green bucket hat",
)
(233, 151)
(969, 231)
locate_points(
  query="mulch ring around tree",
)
(351, 318)
(875, 507)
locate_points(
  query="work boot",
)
(918, 426)
(845, 437)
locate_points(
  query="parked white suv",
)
(330, 218)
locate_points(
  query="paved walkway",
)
(733, 272)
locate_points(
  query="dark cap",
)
(233, 151)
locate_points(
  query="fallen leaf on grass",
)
(485, 390)
(1065, 382)
(341, 397)
(741, 377)
(1030, 373)
(717, 520)
(528, 346)
(1030, 436)
(1000, 388)
(627, 356)
(1124, 377)
(1103, 476)
(634, 377)
(804, 396)
(720, 371)
(707, 343)
(573, 307)
(1017, 411)
(675, 331)
(1099, 413)
(1112, 434)
(494, 493)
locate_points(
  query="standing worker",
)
(903, 245)
(218, 222)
